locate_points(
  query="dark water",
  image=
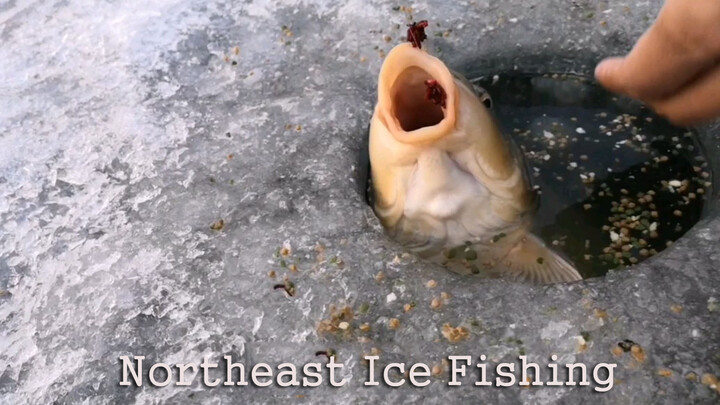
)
(617, 183)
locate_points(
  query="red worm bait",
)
(435, 92)
(416, 33)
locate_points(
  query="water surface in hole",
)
(617, 183)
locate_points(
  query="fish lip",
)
(398, 60)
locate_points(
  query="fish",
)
(446, 182)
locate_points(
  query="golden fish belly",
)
(446, 207)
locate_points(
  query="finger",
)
(665, 58)
(694, 104)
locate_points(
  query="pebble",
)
(709, 379)
(435, 303)
(665, 372)
(638, 353)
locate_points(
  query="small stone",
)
(437, 370)
(709, 379)
(454, 334)
(638, 353)
(393, 323)
(665, 372)
(435, 303)
(431, 284)
(217, 225)
(712, 304)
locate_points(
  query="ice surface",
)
(128, 128)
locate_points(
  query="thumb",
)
(611, 75)
(664, 59)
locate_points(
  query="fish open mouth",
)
(417, 98)
(410, 102)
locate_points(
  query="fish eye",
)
(487, 100)
(484, 96)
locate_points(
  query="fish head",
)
(422, 104)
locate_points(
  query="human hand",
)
(675, 66)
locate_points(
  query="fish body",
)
(446, 182)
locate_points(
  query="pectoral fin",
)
(530, 260)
